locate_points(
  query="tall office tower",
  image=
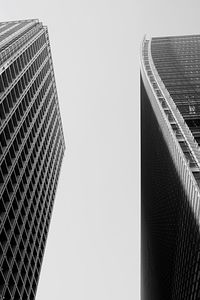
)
(170, 127)
(31, 152)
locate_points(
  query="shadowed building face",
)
(170, 130)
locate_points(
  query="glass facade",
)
(170, 168)
(31, 151)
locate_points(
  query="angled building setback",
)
(170, 167)
(31, 152)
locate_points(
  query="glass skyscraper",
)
(170, 169)
(31, 152)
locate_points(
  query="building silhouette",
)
(170, 168)
(31, 152)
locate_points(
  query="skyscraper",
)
(31, 152)
(170, 138)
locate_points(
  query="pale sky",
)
(93, 244)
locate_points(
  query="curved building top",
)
(170, 69)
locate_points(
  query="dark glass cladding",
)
(170, 234)
(177, 60)
(31, 152)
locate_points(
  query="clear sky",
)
(93, 245)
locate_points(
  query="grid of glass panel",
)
(177, 60)
(31, 152)
(173, 57)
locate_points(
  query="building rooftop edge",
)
(155, 89)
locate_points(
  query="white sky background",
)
(93, 246)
